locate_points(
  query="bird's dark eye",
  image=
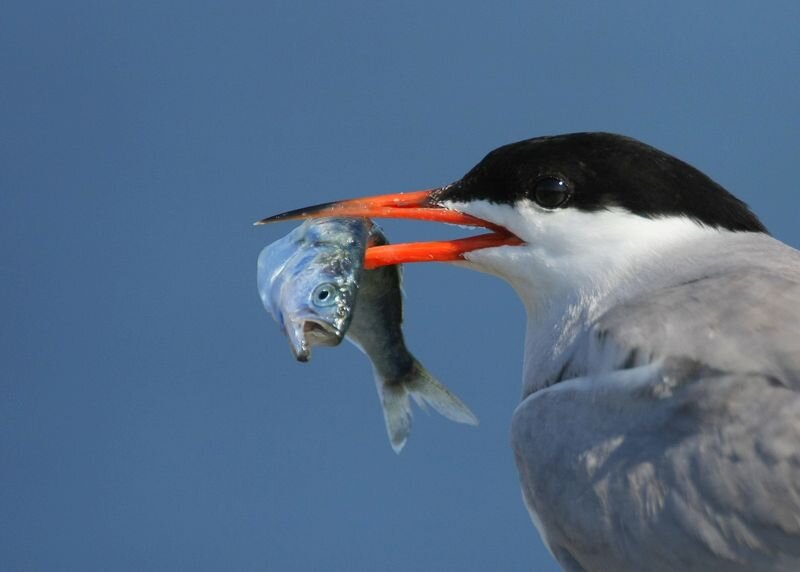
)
(324, 294)
(551, 192)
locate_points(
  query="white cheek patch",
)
(571, 230)
(506, 216)
(570, 249)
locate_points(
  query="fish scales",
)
(313, 283)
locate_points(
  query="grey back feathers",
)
(684, 451)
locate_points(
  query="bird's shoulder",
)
(737, 319)
(671, 465)
(682, 410)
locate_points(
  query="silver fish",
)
(325, 257)
(308, 281)
(376, 330)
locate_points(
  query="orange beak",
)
(418, 205)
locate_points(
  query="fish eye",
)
(324, 294)
(551, 192)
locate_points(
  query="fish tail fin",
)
(396, 413)
(424, 389)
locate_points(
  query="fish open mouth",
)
(417, 205)
(305, 333)
(321, 333)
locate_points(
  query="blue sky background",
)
(151, 415)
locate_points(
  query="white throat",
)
(574, 266)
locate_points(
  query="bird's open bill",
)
(417, 205)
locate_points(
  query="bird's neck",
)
(565, 295)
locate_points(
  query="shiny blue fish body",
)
(313, 283)
(308, 280)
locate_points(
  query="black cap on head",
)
(596, 171)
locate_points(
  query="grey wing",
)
(686, 455)
(737, 321)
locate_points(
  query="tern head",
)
(576, 208)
